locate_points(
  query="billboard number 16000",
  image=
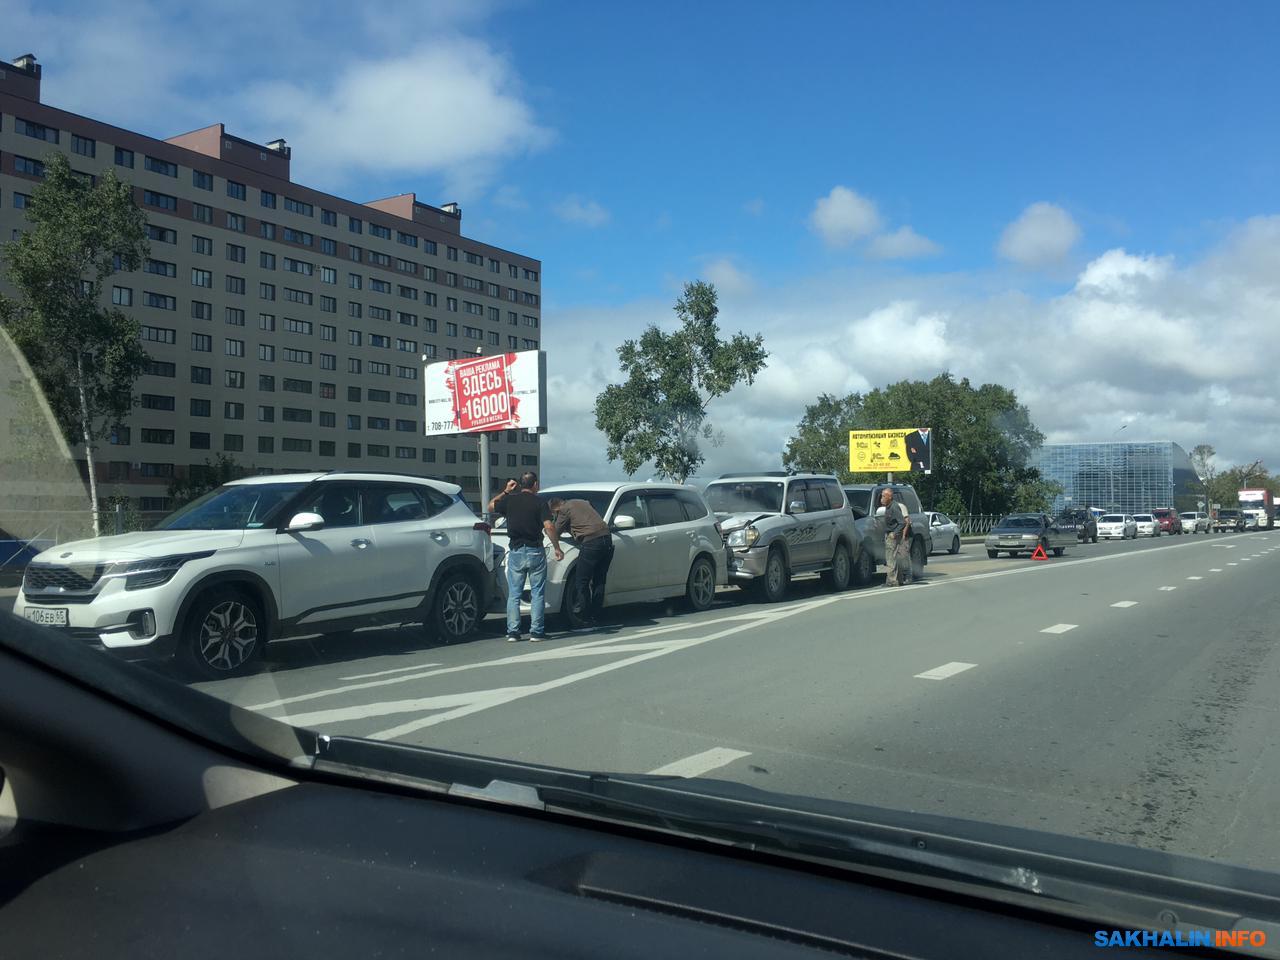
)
(486, 405)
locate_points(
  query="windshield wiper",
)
(1100, 883)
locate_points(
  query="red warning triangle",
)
(1040, 554)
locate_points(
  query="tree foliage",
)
(982, 441)
(658, 413)
(200, 478)
(1223, 486)
(86, 355)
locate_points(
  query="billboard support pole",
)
(485, 493)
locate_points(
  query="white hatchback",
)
(1116, 526)
(1195, 522)
(268, 557)
(666, 543)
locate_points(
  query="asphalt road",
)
(1126, 692)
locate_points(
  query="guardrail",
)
(975, 524)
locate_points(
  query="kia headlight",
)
(154, 572)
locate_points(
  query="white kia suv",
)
(269, 557)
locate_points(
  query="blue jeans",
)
(525, 562)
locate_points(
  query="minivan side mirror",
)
(796, 506)
(304, 521)
(624, 522)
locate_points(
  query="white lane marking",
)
(1195, 578)
(1125, 603)
(1215, 569)
(700, 763)
(1232, 563)
(946, 670)
(383, 673)
(1060, 628)
(1168, 588)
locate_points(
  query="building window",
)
(353, 364)
(295, 415)
(378, 340)
(513, 343)
(328, 332)
(381, 259)
(328, 391)
(119, 436)
(201, 278)
(234, 348)
(408, 319)
(159, 368)
(406, 399)
(201, 407)
(353, 451)
(266, 414)
(202, 212)
(266, 352)
(381, 232)
(379, 396)
(201, 245)
(290, 385)
(493, 338)
(266, 383)
(235, 253)
(451, 456)
(406, 266)
(406, 453)
(37, 130)
(266, 321)
(408, 346)
(328, 275)
(201, 343)
(161, 234)
(512, 459)
(326, 448)
(35, 168)
(297, 356)
(235, 379)
(379, 368)
(328, 418)
(300, 237)
(473, 333)
(201, 310)
(236, 222)
(355, 253)
(355, 281)
(354, 310)
(297, 206)
(453, 253)
(380, 313)
(295, 445)
(162, 167)
(329, 218)
(267, 199)
(298, 266)
(451, 329)
(161, 268)
(407, 426)
(124, 158)
(266, 291)
(233, 442)
(353, 421)
(379, 286)
(235, 316)
(328, 247)
(122, 296)
(328, 361)
(201, 180)
(157, 469)
(451, 353)
(298, 326)
(267, 261)
(156, 401)
(267, 231)
(428, 455)
(298, 296)
(21, 201)
(236, 191)
(202, 375)
(355, 337)
(451, 304)
(199, 441)
(379, 450)
(266, 445)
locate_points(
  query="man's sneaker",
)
(513, 638)
(537, 637)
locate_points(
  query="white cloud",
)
(1042, 235)
(577, 210)
(843, 216)
(1136, 340)
(509, 197)
(754, 207)
(727, 277)
(902, 244)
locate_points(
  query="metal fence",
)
(976, 524)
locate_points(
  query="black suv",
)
(1085, 523)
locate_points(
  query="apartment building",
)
(286, 327)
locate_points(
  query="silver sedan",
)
(946, 532)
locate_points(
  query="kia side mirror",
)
(624, 522)
(303, 522)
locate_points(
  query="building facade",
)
(1121, 477)
(286, 327)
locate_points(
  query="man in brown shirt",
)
(595, 552)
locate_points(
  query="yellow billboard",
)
(900, 451)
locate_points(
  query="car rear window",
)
(1113, 518)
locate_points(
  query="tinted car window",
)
(631, 505)
(835, 496)
(664, 509)
(910, 498)
(815, 498)
(694, 508)
(337, 503)
(384, 503)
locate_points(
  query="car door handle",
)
(652, 538)
(360, 543)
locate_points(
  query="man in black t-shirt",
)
(528, 518)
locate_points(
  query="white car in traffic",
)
(1147, 525)
(946, 532)
(1116, 526)
(666, 543)
(1193, 522)
(267, 557)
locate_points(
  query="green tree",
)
(658, 413)
(982, 440)
(86, 356)
(200, 478)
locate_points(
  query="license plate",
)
(47, 615)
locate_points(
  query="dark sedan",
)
(1024, 532)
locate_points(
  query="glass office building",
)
(1121, 477)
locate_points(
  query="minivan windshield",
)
(241, 506)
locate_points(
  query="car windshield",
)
(1017, 522)
(753, 496)
(233, 507)
(701, 266)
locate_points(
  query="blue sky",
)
(979, 182)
